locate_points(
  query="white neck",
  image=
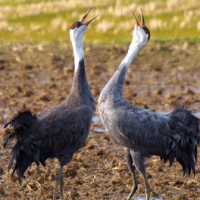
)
(78, 53)
(114, 87)
(132, 52)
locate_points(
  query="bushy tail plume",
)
(185, 138)
(25, 150)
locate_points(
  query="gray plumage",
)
(142, 132)
(57, 132)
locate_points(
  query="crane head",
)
(79, 28)
(141, 34)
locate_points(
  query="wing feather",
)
(59, 128)
(168, 136)
(146, 127)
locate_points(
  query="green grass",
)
(17, 24)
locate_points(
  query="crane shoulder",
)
(141, 124)
(146, 128)
(63, 120)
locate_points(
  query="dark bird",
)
(60, 131)
(142, 132)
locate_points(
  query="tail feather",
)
(24, 161)
(188, 153)
(195, 153)
(186, 135)
(171, 158)
(184, 164)
(14, 155)
(26, 150)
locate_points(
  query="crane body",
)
(142, 132)
(59, 131)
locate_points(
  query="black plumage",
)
(60, 131)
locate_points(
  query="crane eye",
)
(78, 24)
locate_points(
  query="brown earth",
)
(39, 76)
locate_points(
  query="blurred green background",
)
(47, 20)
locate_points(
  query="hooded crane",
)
(60, 131)
(142, 132)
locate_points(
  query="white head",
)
(141, 34)
(78, 29)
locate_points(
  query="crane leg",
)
(59, 179)
(132, 170)
(61, 187)
(147, 188)
(135, 186)
(139, 162)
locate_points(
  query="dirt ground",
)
(39, 76)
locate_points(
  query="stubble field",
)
(39, 76)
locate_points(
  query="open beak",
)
(136, 21)
(142, 19)
(83, 18)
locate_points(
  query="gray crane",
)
(142, 132)
(60, 131)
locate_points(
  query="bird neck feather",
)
(78, 53)
(114, 88)
(80, 88)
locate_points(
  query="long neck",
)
(78, 54)
(80, 84)
(114, 88)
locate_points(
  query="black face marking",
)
(76, 24)
(146, 30)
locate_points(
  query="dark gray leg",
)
(147, 188)
(139, 162)
(132, 170)
(59, 179)
(61, 187)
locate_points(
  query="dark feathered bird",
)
(60, 131)
(142, 132)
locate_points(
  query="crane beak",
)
(83, 18)
(142, 18)
(136, 21)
